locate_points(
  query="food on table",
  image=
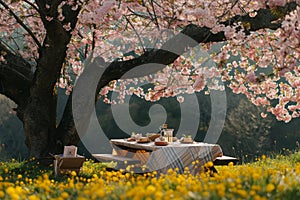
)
(153, 136)
(161, 143)
(186, 139)
(143, 140)
(131, 139)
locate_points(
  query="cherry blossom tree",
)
(44, 44)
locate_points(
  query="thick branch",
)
(15, 76)
(53, 52)
(265, 18)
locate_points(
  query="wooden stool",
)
(65, 165)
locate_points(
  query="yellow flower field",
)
(266, 178)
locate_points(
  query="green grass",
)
(272, 177)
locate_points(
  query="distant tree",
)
(245, 130)
(11, 132)
(5, 109)
(43, 45)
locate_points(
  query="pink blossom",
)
(251, 77)
(261, 101)
(138, 92)
(60, 17)
(159, 87)
(104, 91)
(190, 90)
(62, 83)
(180, 99)
(273, 3)
(252, 14)
(295, 114)
(13, 112)
(185, 71)
(69, 90)
(168, 93)
(235, 64)
(283, 71)
(229, 32)
(106, 100)
(49, 18)
(199, 83)
(2, 59)
(263, 115)
(155, 96)
(67, 27)
(287, 118)
(293, 108)
(75, 7)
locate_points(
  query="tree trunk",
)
(66, 133)
(39, 113)
(39, 125)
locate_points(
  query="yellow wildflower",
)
(270, 187)
(65, 195)
(209, 164)
(33, 197)
(150, 189)
(73, 173)
(2, 194)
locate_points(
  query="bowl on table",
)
(186, 140)
(161, 143)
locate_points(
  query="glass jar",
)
(168, 133)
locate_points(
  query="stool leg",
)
(55, 167)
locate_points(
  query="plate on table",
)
(131, 139)
(139, 141)
(161, 143)
(186, 142)
(143, 140)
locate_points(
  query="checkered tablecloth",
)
(175, 155)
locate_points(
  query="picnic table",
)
(161, 158)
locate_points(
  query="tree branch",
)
(32, 5)
(15, 76)
(21, 23)
(154, 14)
(135, 31)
